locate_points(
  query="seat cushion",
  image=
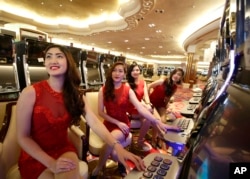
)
(13, 173)
(83, 167)
(96, 143)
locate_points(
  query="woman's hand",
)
(162, 128)
(124, 128)
(62, 165)
(124, 155)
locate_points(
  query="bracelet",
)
(114, 143)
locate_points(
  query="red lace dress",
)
(117, 108)
(139, 94)
(49, 124)
(158, 97)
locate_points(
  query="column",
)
(190, 75)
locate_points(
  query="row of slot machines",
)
(21, 64)
(218, 145)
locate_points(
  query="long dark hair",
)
(72, 95)
(109, 85)
(170, 87)
(130, 78)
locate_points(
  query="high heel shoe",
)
(156, 143)
(122, 169)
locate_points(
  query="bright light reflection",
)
(63, 20)
(168, 56)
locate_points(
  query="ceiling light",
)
(151, 25)
(147, 38)
(203, 63)
(160, 46)
(158, 31)
(109, 42)
(125, 41)
(168, 56)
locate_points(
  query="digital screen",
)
(109, 61)
(6, 49)
(120, 59)
(76, 54)
(35, 52)
(93, 72)
(224, 136)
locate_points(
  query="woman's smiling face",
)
(118, 73)
(55, 62)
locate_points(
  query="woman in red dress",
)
(160, 92)
(139, 86)
(45, 110)
(113, 102)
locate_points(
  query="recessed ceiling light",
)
(160, 46)
(143, 47)
(128, 48)
(158, 31)
(125, 41)
(147, 38)
(151, 25)
(109, 42)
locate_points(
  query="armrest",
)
(2, 172)
(79, 140)
(1, 149)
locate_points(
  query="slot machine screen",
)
(35, 52)
(76, 54)
(93, 71)
(223, 138)
(109, 61)
(6, 49)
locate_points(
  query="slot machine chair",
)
(10, 150)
